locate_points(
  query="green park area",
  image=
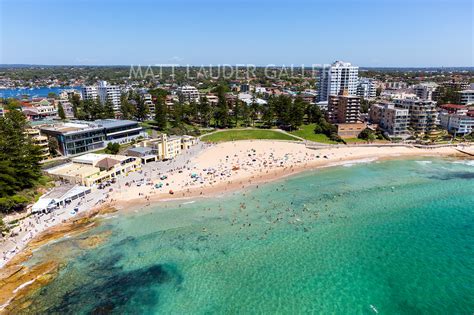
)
(250, 134)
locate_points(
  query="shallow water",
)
(395, 237)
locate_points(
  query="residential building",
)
(245, 88)
(396, 85)
(338, 77)
(67, 94)
(89, 93)
(40, 141)
(92, 169)
(188, 94)
(366, 88)
(249, 99)
(110, 93)
(423, 114)
(68, 108)
(425, 90)
(212, 99)
(456, 119)
(466, 97)
(343, 109)
(390, 119)
(148, 101)
(39, 109)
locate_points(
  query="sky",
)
(367, 33)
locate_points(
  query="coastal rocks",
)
(94, 241)
(18, 281)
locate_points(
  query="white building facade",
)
(110, 93)
(188, 94)
(338, 77)
(89, 93)
(366, 88)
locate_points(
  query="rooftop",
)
(112, 123)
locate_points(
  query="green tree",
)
(205, 112)
(254, 111)
(378, 91)
(221, 114)
(61, 112)
(245, 113)
(297, 112)
(53, 146)
(268, 114)
(177, 114)
(142, 109)
(112, 148)
(76, 104)
(236, 112)
(161, 112)
(127, 110)
(19, 160)
(367, 134)
(52, 95)
(109, 111)
(313, 113)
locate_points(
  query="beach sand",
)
(219, 168)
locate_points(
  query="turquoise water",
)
(394, 237)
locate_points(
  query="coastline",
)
(18, 281)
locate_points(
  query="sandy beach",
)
(202, 172)
(206, 170)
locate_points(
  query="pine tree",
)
(19, 160)
(160, 113)
(127, 110)
(205, 112)
(236, 112)
(142, 109)
(109, 111)
(222, 113)
(61, 113)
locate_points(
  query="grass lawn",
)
(307, 132)
(229, 135)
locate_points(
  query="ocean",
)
(390, 237)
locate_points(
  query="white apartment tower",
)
(188, 94)
(425, 90)
(336, 78)
(366, 88)
(89, 93)
(109, 93)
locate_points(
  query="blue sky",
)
(364, 32)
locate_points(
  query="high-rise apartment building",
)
(89, 93)
(366, 88)
(343, 109)
(391, 119)
(423, 114)
(336, 78)
(425, 90)
(109, 93)
(188, 94)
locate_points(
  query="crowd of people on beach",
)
(200, 171)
